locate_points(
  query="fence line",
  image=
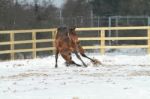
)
(102, 39)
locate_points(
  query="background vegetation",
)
(16, 14)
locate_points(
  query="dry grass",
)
(24, 75)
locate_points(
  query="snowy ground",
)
(120, 77)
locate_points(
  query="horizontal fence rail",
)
(102, 38)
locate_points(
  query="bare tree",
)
(73, 8)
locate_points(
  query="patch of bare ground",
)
(24, 75)
(139, 73)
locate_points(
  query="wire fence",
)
(98, 21)
(112, 21)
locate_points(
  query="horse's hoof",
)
(96, 62)
(56, 66)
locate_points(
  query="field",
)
(122, 76)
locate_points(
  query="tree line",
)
(16, 14)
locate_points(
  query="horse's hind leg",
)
(83, 54)
(69, 60)
(81, 50)
(78, 56)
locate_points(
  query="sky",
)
(58, 3)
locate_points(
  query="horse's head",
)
(62, 31)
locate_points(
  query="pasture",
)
(120, 75)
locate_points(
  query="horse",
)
(66, 43)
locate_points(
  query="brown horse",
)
(66, 42)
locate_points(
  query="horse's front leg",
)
(56, 58)
(68, 58)
(72, 62)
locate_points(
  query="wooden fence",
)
(102, 38)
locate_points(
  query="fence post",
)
(53, 38)
(148, 22)
(34, 44)
(12, 54)
(109, 25)
(102, 42)
(148, 34)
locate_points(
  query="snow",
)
(121, 76)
